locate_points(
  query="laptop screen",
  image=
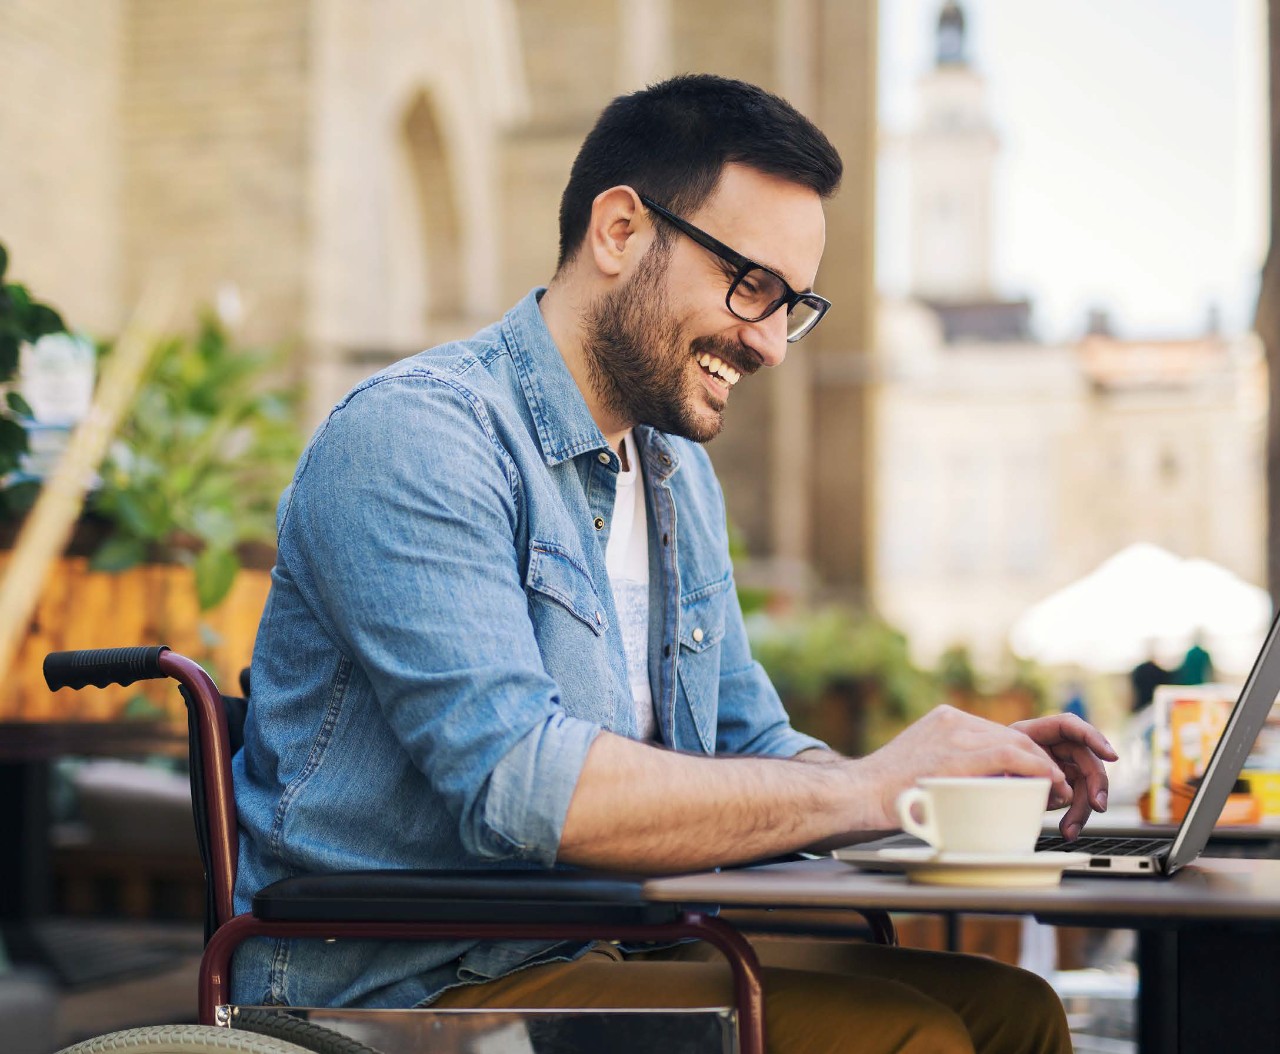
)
(1244, 724)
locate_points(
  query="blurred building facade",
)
(363, 179)
(1005, 467)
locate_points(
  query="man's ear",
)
(617, 233)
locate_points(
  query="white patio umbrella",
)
(1145, 597)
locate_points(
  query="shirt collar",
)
(560, 414)
(657, 451)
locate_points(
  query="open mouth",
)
(719, 368)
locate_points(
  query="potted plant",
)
(23, 320)
(195, 472)
(845, 676)
(178, 532)
(1020, 698)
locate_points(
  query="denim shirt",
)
(440, 647)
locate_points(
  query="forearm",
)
(639, 807)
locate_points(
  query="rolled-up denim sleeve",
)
(405, 513)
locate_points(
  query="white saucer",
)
(926, 865)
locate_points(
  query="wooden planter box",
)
(149, 604)
(1002, 707)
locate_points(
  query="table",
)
(1208, 938)
(27, 749)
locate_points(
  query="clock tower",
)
(953, 153)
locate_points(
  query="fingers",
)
(1070, 728)
(1021, 757)
(1074, 818)
(1081, 749)
(985, 748)
(1084, 771)
(1067, 750)
(1080, 731)
(948, 742)
(1024, 758)
(1058, 800)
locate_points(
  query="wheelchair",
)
(408, 905)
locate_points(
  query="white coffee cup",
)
(987, 815)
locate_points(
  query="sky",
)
(1132, 173)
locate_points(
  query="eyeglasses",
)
(756, 292)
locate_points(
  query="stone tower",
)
(953, 154)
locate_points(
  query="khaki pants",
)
(820, 996)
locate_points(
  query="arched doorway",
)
(438, 225)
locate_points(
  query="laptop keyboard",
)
(1100, 846)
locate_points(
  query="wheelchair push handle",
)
(102, 666)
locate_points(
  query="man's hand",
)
(1080, 749)
(949, 742)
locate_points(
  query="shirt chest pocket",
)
(702, 620)
(556, 577)
(570, 623)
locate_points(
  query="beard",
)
(640, 364)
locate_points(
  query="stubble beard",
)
(638, 361)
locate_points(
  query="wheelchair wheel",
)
(312, 1037)
(184, 1039)
(256, 1033)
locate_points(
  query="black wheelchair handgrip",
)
(102, 666)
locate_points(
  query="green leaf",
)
(9, 348)
(143, 515)
(119, 553)
(19, 498)
(4, 260)
(42, 320)
(13, 437)
(19, 298)
(215, 572)
(19, 405)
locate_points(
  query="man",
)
(1146, 677)
(503, 628)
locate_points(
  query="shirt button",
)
(603, 458)
(698, 634)
(599, 522)
(599, 619)
(665, 460)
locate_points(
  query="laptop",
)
(1140, 854)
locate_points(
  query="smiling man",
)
(503, 629)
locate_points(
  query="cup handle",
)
(908, 800)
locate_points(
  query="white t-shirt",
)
(627, 559)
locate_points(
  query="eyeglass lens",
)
(803, 317)
(758, 293)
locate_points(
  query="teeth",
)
(712, 364)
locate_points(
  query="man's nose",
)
(768, 338)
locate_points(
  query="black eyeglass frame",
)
(743, 266)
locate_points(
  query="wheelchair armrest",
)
(463, 896)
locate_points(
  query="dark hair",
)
(672, 140)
